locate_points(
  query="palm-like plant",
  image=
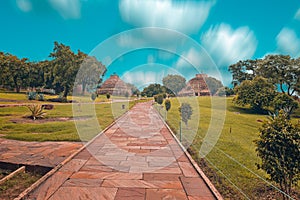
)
(37, 111)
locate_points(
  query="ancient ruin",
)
(114, 86)
(196, 87)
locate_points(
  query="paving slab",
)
(136, 158)
(46, 154)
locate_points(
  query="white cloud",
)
(191, 57)
(24, 5)
(227, 46)
(297, 15)
(142, 78)
(68, 9)
(187, 17)
(288, 42)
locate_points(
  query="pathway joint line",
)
(56, 168)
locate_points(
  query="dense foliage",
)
(186, 112)
(213, 84)
(278, 147)
(153, 89)
(174, 83)
(258, 93)
(279, 69)
(59, 73)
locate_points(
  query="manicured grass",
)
(233, 157)
(59, 125)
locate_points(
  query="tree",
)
(14, 71)
(258, 93)
(108, 96)
(133, 89)
(243, 70)
(279, 69)
(174, 83)
(65, 65)
(213, 85)
(284, 102)
(185, 112)
(153, 89)
(90, 72)
(160, 99)
(167, 104)
(278, 147)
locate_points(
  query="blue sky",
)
(225, 30)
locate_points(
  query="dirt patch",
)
(8, 100)
(13, 187)
(26, 120)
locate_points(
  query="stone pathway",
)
(136, 158)
(46, 154)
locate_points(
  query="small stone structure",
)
(196, 87)
(114, 86)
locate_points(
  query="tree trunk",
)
(281, 88)
(83, 88)
(66, 91)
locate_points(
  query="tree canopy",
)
(213, 84)
(258, 93)
(174, 83)
(153, 89)
(59, 73)
(279, 69)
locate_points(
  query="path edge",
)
(35, 185)
(209, 184)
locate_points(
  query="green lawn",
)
(233, 157)
(13, 125)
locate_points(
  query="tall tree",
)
(213, 84)
(281, 70)
(174, 83)
(14, 71)
(91, 71)
(65, 65)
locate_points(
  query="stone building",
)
(114, 86)
(196, 87)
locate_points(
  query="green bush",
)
(160, 99)
(41, 97)
(167, 104)
(93, 96)
(185, 112)
(31, 95)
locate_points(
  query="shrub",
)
(108, 96)
(36, 111)
(31, 95)
(167, 104)
(185, 112)
(160, 99)
(278, 148)
(93, 96)
(41, 97)
(155, 98)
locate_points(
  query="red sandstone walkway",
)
(47, 154)
(136, 158)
